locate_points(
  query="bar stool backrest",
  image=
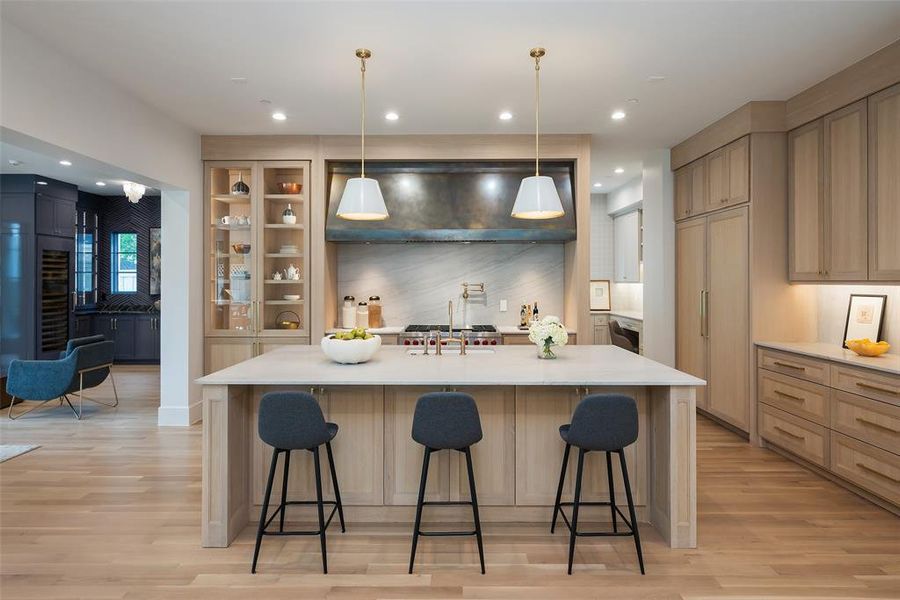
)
(604, 422)
(291, 421)
(446, 420)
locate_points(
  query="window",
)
(84, 263)
(124, 263)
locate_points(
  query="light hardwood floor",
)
(109, 507)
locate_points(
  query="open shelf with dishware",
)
(258, 262)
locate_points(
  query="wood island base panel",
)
(522, 402)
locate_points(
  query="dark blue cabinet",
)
(146, 338)
(136, 335)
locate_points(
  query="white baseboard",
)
(179, 416)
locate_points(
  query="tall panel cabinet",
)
(732, 283)
(257, 261)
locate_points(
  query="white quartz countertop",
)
(628, 314)
(889, 363)
(508, 365)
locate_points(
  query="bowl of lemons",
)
(866, 347)
(351, 347)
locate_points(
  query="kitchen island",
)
(522, 401)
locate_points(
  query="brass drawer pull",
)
(790, 396)
(788, 365)
(789, 434)
(878, 425)
(877, 388)
(869, 469)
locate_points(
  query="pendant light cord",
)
(537, 112)
(362, 71)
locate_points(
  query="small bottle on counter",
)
(523, 317)
(348, 313)
(374, 312)
(362, 315)
(535, 315)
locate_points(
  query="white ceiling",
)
(451, 67)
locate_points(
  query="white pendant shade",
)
(362, 201)
(537, 199)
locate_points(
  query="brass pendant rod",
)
(536, 54)
(363, 54)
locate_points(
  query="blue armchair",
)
(84, 364)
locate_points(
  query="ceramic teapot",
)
(292, 272)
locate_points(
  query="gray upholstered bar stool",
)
(446, 421)
(293, 421)
(606, 423)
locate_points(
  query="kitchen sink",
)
(450, 351)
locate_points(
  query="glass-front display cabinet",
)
(257, 249)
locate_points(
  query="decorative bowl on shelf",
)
(241, 248)
(866, 347)
(291, 296)
(352, 351)
(287, 320)
(291, 188)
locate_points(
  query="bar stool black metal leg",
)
(577, 502)
(562, 479)
(337, 490)
(422, 482)
(321, 509)
(265, 509)
(474, 499)
(634, 524)
(612, 492)
(284, 484)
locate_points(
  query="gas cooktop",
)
(446, 328)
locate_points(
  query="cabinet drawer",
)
(803, 438)
(871, 468)
(796, 396)
(796, 366)
(874, 422)
(865, 382)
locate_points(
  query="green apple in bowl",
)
(351, 347)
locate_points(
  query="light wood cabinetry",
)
(712, 326)
(627, 251)
(601, 329)
(843, 193)
(247, 241)
(806, 193)
(846, 251)
(718, 180)
(844, 419)
(884, 185)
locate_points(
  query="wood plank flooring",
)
(109, 507)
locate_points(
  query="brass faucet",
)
(461, 340)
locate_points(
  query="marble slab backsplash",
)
(415, 281)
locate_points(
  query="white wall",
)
(48, 97)
(832, 301)
(623, 296)
(626, 198)
(659, 259)
(415, 281)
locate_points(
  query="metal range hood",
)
(450, 202)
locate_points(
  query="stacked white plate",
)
(290, 249)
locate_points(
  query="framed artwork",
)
(600, 294)
(865, 317)
(155, 259)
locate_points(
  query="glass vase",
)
(545, 351)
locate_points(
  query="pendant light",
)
(362, 199)
(537, 197)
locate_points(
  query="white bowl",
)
(291, 296)
(350, 352)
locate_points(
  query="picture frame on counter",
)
(865, 317)
(600, 294)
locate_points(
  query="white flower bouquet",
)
(546, 333)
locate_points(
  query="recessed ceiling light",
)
(618, 170)
(598, 185)
(632, 101)
(41, 182)
(617, 115)
(279, 116)
(656, 78)
(391, 116)
(66, 163)
(14, 163)
(505, 115)
(101, 183)
(238, 80)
